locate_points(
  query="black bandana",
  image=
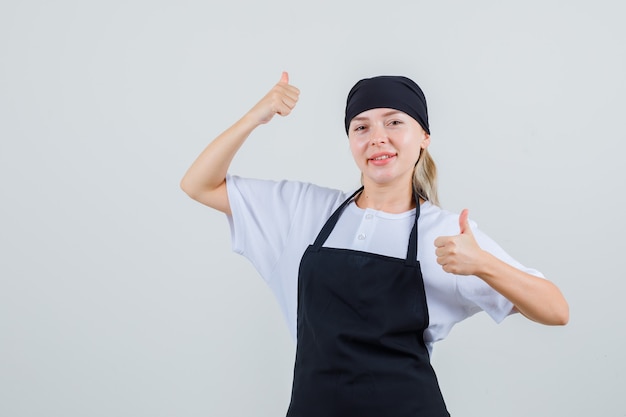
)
(387, 91)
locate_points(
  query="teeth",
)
(380, 158)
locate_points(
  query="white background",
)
(120, 296)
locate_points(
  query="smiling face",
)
(385, 145)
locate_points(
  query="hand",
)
(460, 254)
(281, 99)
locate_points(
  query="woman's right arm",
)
(205, 180)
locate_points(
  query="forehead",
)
(378, 113)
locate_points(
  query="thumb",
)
(284, 78)
(464, 222)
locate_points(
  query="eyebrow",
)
(389, 113)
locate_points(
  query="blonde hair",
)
(425, 178)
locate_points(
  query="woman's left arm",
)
(536, 298)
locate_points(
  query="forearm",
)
(536, 298)
(208, 171)
(205, 180)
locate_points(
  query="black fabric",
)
(387, 91)
(361, 319)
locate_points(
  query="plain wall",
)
(120, 296)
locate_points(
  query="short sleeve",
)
(267, 216)
(261, 214)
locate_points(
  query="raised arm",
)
(536, 298)
(205, 180)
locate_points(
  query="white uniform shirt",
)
(273, 222)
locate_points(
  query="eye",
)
(395, 122)
(359, 128)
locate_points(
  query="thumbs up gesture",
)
(281, 99)
(460, 254)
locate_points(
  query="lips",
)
(381, 158)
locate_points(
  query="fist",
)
(459, 254)
(281, 99)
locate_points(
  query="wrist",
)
(486, 265)
(249, 121)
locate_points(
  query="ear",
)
(426, 141)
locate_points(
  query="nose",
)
(378, 135)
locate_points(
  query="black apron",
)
(360, 346)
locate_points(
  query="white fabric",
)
(273, 222)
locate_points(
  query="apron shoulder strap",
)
(331, 222)
(411, 255)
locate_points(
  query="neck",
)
(387, 198)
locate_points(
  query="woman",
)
(369, 280)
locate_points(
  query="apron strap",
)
(411, 255)
(331, 222)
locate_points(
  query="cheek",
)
(415, 149)
(357, 148)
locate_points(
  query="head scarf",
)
(387, 91)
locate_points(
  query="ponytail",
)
(425, 178)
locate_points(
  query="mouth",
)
(381, 158)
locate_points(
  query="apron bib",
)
(360, 346)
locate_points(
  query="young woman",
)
(367, 280)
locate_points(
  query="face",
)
(385, 145)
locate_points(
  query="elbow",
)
(562, 317)
(214, 197)
(557, 315)
(561, 311)
(184, 186)
(188, 188)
